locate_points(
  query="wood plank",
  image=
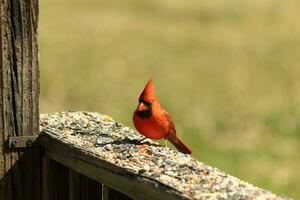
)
(19, 95)
(104, 150)
(55, 180)
(111, 194)
(82, 187)
(46, 177)
(106, 173)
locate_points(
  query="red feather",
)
(151, 120)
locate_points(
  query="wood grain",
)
(115, 177)
(111, 194)
(19, 95)
(55, 180)
(82, 187)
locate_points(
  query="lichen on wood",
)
(157, 167)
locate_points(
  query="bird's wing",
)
(170, 120)
(165, 121)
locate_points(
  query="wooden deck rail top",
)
(110, 153)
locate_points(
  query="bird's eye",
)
(147, 103)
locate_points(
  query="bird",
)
(152, 121)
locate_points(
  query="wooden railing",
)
(97, 147)
(81, 155)
(90, 156)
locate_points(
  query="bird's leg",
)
(166, 144)
(141, 140)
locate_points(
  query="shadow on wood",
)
(60, 183)
(19, 182)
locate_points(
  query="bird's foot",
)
(141, 140)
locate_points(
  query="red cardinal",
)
(151, 120)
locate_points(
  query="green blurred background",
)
(227, 71)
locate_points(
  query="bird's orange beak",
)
(142, 107)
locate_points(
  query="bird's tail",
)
(178, 143)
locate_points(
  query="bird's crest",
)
(148, 92)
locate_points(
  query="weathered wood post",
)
(19, 99)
